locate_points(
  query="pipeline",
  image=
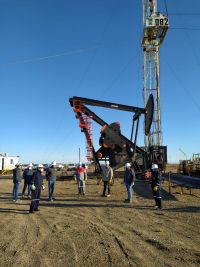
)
(183, 180)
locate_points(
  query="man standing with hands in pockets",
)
(129, 179)
(107, 176)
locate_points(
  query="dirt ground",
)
(95, 231)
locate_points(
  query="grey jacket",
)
(51, 174)
(107, 173)
(17, 175)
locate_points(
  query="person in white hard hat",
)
(107, 176)
(36, 187)
(51, 178)
(80, 178)
(17, 178)
(156, 185)
(129, 179)
(27, 175)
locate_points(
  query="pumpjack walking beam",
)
(104, 104)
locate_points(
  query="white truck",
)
(7, 163)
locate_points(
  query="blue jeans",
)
(51, 185)
(129, 191)
(15, 191)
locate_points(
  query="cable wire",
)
(182, 85)
(78, 51)
(187, 29)
(184, 14)
(117, 77)
(166, 7)
(92, 59)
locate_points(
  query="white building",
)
(7, 162)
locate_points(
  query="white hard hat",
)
(80, 163)
(30, 165)
(53, 163)
(154, 166)
(107, 163)
(128, 165)
(40, 166)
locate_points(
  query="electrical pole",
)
(79, 155)
(186, 161)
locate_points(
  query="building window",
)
(11, 161)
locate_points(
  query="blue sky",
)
(52, 50)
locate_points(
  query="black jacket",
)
(155, 178)
(37, 179)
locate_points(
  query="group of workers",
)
(129, 180)
(33, 179)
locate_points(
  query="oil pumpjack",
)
(114, 146)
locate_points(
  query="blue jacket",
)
(129, 176)
(28, 174)
(17, 175)
(155, 178)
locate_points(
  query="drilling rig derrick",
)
(155, 26)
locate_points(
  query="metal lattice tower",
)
(85, 123)
(89, 141)
(155, 26)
